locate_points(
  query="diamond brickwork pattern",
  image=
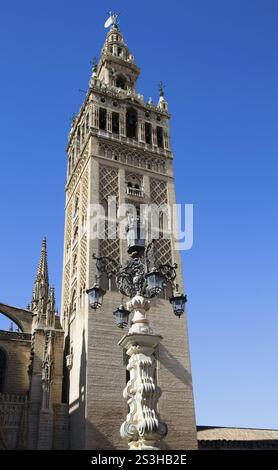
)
(83, 242)
(163, 247)
(109, 186)
(133, 157)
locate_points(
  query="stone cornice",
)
(135, 145)
(134, 169)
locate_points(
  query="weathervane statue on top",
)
(112, 20)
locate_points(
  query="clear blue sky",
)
(218, 59)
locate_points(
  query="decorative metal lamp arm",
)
(106, 264)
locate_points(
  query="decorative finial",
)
(94, 64)
(161, 87)
(112, 20)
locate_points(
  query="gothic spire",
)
(40, 292)
(43, 267)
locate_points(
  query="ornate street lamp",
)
(140, 276)
(121, 315)
(95, 295)
(178, 302)
(140, 279)
(155, 282)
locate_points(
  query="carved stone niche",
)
(142, 427)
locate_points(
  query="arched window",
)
(133, 181)
(102, 119)
(74, 266)
(131, 123)
(160, 140)
(115, 123)
(84, 223)
(3, 366)
(76, 206)
(148, 132)
(121, 81)
(73, 304)
(75, 236)
(81, 297)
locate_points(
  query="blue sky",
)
(218, 59)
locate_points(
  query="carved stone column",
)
(154, 139)
(109, 120)
(122, 125)
(141, 131)
(142, 427)
(95, 120)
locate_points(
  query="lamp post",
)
(141, 279)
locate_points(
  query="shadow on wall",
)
(79, 426)
(101, 441)
(173, 366)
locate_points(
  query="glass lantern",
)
(178, 303)
(135, 236)
(95, 295)
(121, 316)
(155, 282)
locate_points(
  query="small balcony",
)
(135, 192)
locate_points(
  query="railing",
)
(129, 141)
(14, 335)
(12, 399)
(135, 192)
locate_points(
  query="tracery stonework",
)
(132, 157)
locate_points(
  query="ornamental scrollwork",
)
(131, 278)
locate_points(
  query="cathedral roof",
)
(232, 433)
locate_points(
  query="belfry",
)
(119, 146)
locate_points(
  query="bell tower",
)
(119, 146)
